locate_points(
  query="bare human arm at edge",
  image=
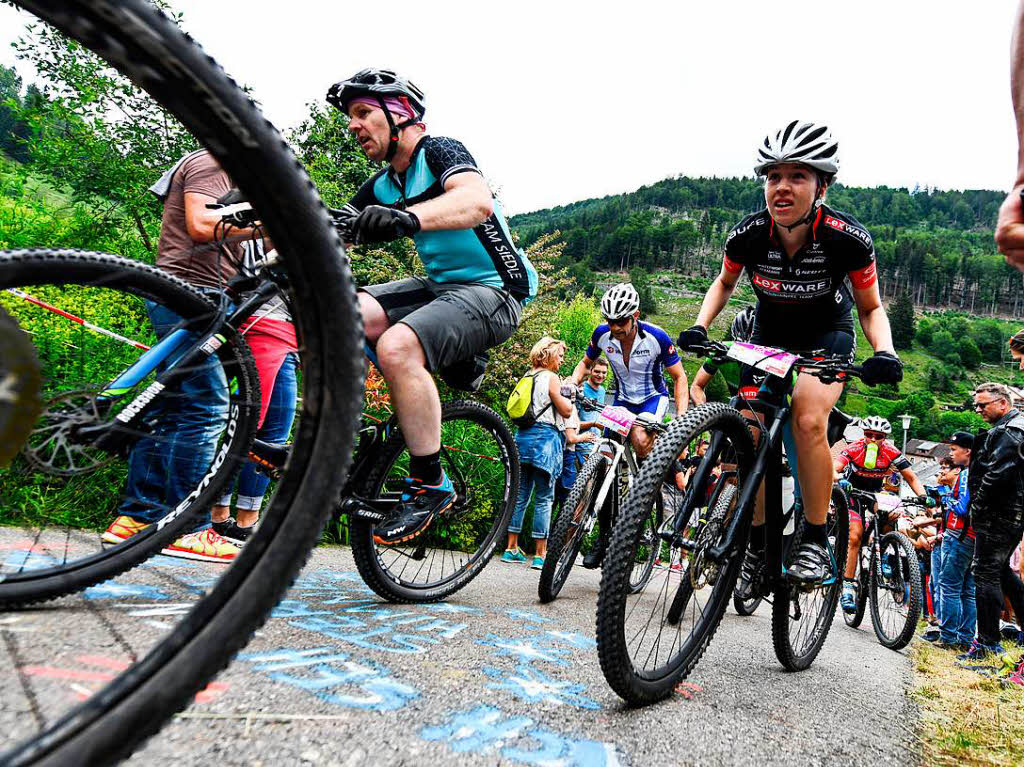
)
(582, 370)
(466, 203)
(561, 404)
(1010, 223)
(698, 395)
(873, 318)
(717, 297)
(913, 481)
(681, 393)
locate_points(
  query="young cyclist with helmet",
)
(639, 353)
(741, 329)
(799, 254)
(476, 282)
(867, 463)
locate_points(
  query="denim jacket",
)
(542, 445)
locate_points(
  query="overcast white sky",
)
(560, 101)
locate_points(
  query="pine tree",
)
(901, 317)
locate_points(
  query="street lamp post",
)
(905, 419)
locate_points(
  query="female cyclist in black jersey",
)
(799, 254)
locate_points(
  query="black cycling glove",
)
(377, 223)
(883, 367)
(695, 336)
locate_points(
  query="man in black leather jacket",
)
(997, 510)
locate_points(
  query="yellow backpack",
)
(520, 402)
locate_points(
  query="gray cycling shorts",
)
(452, 320)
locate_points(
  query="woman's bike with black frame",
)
(887, 569)
(649, 640)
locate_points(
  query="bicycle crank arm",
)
(370, 509)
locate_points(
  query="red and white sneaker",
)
(121, 529)
(205, 545)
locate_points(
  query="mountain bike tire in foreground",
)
(638, 660)
(137, 39)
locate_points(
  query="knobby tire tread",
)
(902, 639)
(150, 49)
(548, 587)
(613, 652)
(781, 602)
(361, 531)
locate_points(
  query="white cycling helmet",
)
(876, 423)
(806, 143)
(620, 301)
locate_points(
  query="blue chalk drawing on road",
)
(526, 650)
(533, 686)
(526, 615)
(572, 638)
(115, 590)
(174, 563)
(486, 729)
(24, 559)
(335, 677)
(483, 728)
(372, 626)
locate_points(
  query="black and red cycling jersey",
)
(808, 292)
(869, 468)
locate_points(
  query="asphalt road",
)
(490, 677)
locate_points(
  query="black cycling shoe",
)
(750, 575)
(230, 530)
(810, 564)
(593, 558)
(419, 505)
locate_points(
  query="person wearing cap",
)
(472, 296)
(958, 612)
(997, 514)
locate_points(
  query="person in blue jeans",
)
(169, 463)
(276, 428)
(958, 615)
(541, 447)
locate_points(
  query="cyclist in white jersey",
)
(638, 353)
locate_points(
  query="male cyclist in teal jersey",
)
(638, 353)
(476, 281)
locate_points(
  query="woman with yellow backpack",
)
(542, 413)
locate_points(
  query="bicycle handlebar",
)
(828, 369)
(593, 404)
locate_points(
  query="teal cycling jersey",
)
(484, 254)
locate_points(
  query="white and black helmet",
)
(620, 301)
(806, 143)
(742, 327)
(876, 423)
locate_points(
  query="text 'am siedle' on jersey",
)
(652, 351)
(808, 291)
(484, 254)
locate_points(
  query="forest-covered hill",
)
(935, 245)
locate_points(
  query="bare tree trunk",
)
(142, 231)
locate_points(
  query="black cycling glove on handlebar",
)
(691, 337)
(883, 367)
(376, 224)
